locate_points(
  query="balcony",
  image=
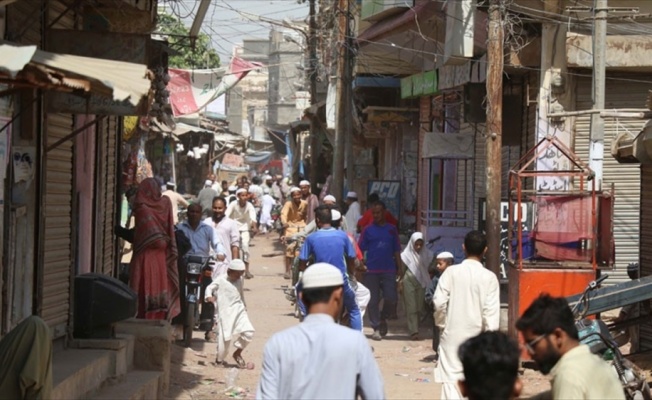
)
(375, 10)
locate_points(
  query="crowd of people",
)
(349, 261)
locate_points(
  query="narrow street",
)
(406, 365)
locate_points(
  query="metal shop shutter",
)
(57, 225)
(625, 177)
(106, 193)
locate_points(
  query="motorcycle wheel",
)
(190, 324)
(645, 391)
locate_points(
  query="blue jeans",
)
(350, 304)
(377, 283)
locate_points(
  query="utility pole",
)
(495, 62)
(596, 149)
(343, 101)
(312, 78)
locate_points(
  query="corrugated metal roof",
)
(122, 80)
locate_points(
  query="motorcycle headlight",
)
(194, 269)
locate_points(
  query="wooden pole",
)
(596, 149)
(312, 78)
(343, 101)
(495, 61)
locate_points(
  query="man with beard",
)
(466, 302)
(551, 338)
(311, 199)
(227, 230)
(293, 218)
(244, 214)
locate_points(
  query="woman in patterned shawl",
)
(153, 270)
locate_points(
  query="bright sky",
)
(229, 21)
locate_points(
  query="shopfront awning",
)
(229, 139)
(122, 81)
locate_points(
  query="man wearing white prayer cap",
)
(206, 196)
(329, 200)
(310, 198)
(244, 214)
(353, 213)
(346, 364)
(293, 218)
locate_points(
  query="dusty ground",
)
(406, 365)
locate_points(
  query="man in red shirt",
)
(367, 218)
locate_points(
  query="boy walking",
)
(233, 323)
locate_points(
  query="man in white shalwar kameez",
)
(233, 323)
(467, 303)
(353, 213)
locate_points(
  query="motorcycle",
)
(595, 334)
(195, 268)
(291, 292)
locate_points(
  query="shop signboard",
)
(389, 193)
(430, 82)
(406, 87)
(527, 224)
(417, 85)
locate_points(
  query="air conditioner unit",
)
(374, 10)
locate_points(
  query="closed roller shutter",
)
(107, 190)
(625, 177)
(58, 204)
(646, 244)
(57, 223)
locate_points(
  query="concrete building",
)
(286, 77)
(246, 104)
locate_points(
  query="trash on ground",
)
(424, 380)
(399, 374)
(406, 349)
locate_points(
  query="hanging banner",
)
(193, 90)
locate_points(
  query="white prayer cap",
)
(171, 184)
(304, 183)
(330, 198)
(294, 189)
(352, 195)
(266, 190)
(268, 177)
(445, 254)
(336, 215)
(237, 265)
(233, 188)
(322, 275)
(208, 182)
(241, 190)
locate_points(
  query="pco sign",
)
(389, 192)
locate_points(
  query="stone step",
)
(136, 385)
(77, 372)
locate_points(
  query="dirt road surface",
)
(406, 365)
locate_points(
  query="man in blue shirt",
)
(380, 243)
(203, 237)
(332, 246)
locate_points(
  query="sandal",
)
(240, 361)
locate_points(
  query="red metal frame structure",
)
(522, 171)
